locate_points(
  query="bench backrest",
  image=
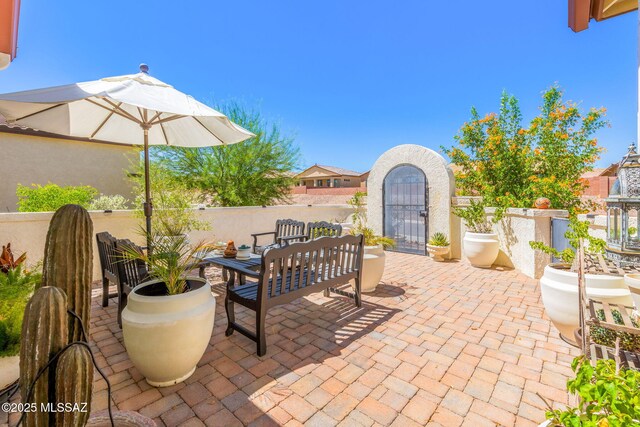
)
(108, 256)
(322, 229)
(288, 227)
(308, 267)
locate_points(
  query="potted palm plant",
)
(168, 320)
(480, 243)
(374, 246)
(438, 246)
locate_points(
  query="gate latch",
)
(423, 214)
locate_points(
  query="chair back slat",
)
(131, 271)
(288, 227)
(107, 254)
(323, 229)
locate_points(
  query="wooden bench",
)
(284, 228)
(291, 272)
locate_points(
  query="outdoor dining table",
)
(229, 265)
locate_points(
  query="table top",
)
(221, 261)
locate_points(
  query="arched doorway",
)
(406, 214)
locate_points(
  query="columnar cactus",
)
(68, 262)
(44, 333)
(74, 378)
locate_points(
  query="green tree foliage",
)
(251, 173)
(510, 165)
(173, 210)
(50, 197)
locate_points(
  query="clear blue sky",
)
(349, 78)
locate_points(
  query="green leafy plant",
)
(50, 197)
(359, 218)
(608, 396)
(109, 203)
(607, 337)
(439, 239)
(16, 286)
(173, 211)
(475, 217)
(632, 231)
(511, 165)
(171, 259)
(255, 172)
(577, 230)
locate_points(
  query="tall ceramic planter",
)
(372, 267)
(559, 289)
(633, 282)
(481, 248)
(166, 335)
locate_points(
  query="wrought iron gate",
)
(406, 202)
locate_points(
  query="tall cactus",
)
(74, 378)
(44, 333)
(68, 262)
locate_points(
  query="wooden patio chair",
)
(284, 228)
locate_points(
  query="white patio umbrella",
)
(133, 109)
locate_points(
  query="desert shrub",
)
(16, 286)
(50, 197)
(104, 203)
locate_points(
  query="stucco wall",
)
(30, 160)
(440, 181)
(27, 231)
(515, 230)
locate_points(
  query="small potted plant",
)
(374, 246)
(244, 252)
(608, 396)
(438, 246)
(481, 245)
(168, 320)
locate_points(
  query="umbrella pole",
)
(148, 205)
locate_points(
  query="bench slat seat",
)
(297, 270)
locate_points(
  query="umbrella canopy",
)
(131, 109)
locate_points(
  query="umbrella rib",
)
(121, 111)
(164, 133)
(168, 119)
(41, 111)
(207, 129)
(116, 110)
(111, 113)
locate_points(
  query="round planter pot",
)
(481, 248)
(437, 252)
(559, 289)
(633, 282)
(166, 335)
(9, 373)
(372, 267)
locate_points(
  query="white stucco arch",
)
(440, 181)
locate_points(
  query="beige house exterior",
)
(321, 176)
(32, 157)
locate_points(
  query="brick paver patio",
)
(437, 344)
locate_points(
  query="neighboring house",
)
(600, 181)
(321, 176)
(33, 157)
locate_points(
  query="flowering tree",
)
(510, 165)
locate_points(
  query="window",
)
(328, 183)
(319, 183)
(347, 180)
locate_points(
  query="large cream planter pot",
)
(481, 249)
(559, 290)
(633, 282)
(166, 336)
(372, 267)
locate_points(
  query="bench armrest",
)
(245, 271)
(263, 234)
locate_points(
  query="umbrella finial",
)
(144, 68)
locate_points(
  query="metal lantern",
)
(623, 206)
